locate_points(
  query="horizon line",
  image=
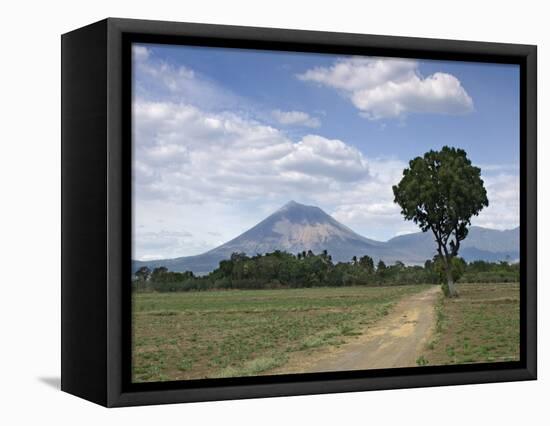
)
(293, 202)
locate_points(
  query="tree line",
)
(280, 269)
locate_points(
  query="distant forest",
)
(280, 269)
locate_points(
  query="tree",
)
(381, 267)
(238, 257)
(458, 267)
(367, 264)
(159, 273)
(398, 264)
(143, 273)
(441, 192)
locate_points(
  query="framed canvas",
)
(255, 212)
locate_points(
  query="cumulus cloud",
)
(140, 53)
(297, 118)
(186, 153)
(203, 164)
(369, 209)
(318, 156)
(215, 164)
(158, 80)
(221, 172)
(503, 194)
(382, 88)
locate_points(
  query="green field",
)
(192, 335)
(482, 325)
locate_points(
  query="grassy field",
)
(482, 325)
(194, 335)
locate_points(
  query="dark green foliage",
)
(143, 273)
(158, 274)
(284, 270)
(141, 277)
(367, 264)
(486, 272)
(441, 192)
(457, 265)
(163, 280)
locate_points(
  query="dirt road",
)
(395, 341)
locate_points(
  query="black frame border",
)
(120, 33)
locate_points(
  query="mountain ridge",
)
(297, 227)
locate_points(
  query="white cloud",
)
(188, 160)
(317, 156)
(185, 153)
(219, 174)
(157, 80)
(503, 194)
(163, 243)
(392, 88)
(358, 73)
(200, 164)
(229, 160)
(299, 118)
(140, 53)
(368, 207)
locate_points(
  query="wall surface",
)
(30, 211)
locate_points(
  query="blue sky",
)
(223, 137)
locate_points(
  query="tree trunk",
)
(450, 283)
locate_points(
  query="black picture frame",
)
(96, 211)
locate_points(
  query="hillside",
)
(296, 227)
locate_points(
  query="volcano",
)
(297, 227)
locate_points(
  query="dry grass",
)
(482, 325)
(192, 335)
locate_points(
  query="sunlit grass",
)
(193, 335)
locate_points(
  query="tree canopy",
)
(441, 192)
(285, 270)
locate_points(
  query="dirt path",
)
(397, 340)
